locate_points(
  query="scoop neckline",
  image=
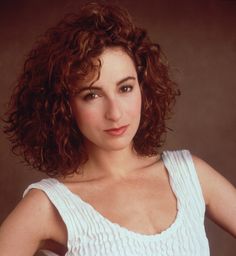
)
(168, 231)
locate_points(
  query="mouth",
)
(117, 131)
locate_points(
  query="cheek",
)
(135, 105)
(87, 118)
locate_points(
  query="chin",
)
(114, 145)
(117, 146)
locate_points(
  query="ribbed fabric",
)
(91, 234)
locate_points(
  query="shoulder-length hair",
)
(39, 120)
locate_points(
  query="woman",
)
(89, 110)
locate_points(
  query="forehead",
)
(115, 65)
(115, 54)
(111, 67)
(112, 57)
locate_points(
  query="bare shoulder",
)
(34, 206)
(219, 195)
(210, 179)
(33, 221)
(53, 228)
(37, 202)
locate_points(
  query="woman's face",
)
(113, 101)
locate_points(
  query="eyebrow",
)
(99, 88)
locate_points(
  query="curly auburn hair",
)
(39, 120)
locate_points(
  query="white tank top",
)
(90, 234)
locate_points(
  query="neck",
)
(110, 164)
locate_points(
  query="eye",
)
(90, 96)
(126, 88)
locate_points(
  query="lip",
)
(117, 131)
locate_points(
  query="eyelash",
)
(90, 96)
(127, 86)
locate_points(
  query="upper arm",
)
(219, 195)
(28, 225)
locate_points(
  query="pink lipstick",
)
(117, 131)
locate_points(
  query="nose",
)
(113, 110)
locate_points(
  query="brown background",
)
(199, 38)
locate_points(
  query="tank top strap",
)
(184, 181)
(68, 207)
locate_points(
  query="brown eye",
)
(90, 96)
(126, 88)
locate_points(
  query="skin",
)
(114, 101)
(114, 174)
